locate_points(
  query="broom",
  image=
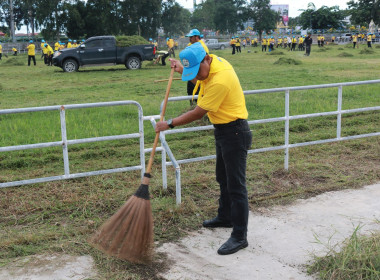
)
(128, 234)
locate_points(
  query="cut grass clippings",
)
(288, 61)
(60, 216)
(345, 54)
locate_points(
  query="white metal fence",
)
(165, 145)
(64, 142)
(286, 118)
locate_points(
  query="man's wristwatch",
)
(170, 123)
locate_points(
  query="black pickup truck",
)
(102, 51)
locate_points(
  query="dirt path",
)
(281, 241)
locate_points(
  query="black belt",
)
(233, 123)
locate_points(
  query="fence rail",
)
(165, 147)
(65, 142)
(286, 118)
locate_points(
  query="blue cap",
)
(191, 58)
(193, 32)
(233, 37)
(31, 41)
(150, 39)
(75, 41)
(45, 45)
(43, 41)
(69, 40)
(201, 35)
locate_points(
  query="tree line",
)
(80, 18)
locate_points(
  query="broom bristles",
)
(128, 234)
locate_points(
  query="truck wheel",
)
(133, 63)
(222, 47)
(70, 65)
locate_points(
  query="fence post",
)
(339, 115)
(286, 160)
(64, 141)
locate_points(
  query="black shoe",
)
(217, 222)
(232, 245)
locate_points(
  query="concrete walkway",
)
(281, 240)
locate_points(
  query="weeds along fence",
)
(165, 145)
(286, 119)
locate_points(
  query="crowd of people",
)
(47, 50)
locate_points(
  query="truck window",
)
(108, 43)
(94, 44)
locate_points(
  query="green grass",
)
(60, 216)
(358, 259)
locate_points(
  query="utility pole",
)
(12, 22)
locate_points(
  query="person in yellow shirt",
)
(1, 51)
(294, 43)
(332, 38)
(300, 43)
(355, 40)
(31, 52)
(194, 37)
(237, 45)
(69, 45)
(49, 53)
(369, 40)
(233, 44)
(44, 51)
(221, 97)
(319, 40)
(279, 42)
(56, 46)
(14, 51)
(264, 44)
(170, 44)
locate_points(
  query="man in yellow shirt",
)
(14, 51)
(1, 50)
(170, 44)
(237, 45)
(222, 99)
(233, 44)
(56, 46)
(194, 37)
(369, 40)
(31, 52)
(264, 44)
(44, 51)
(355, 40)
(49, 53)
(69, 46)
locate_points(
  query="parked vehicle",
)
(214, 44)
(101, 51)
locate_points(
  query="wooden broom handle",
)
(150, 163)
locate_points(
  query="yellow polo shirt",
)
(44, 50)
(56, 46)
(221, 94)
(1, 48)
(31, 49)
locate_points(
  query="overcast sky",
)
(294, 5)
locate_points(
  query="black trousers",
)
(238, 49)
(1, 54)
(308, 48)
(232, 142)
(31, 57)
(164, 57)
(233, 49)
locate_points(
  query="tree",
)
(264, 18)
(229, 15)
(76, 20)
(323, 18)
(140, 17)
(175, 19)
(363, 11)
(52, 15)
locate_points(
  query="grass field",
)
(60, 216)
